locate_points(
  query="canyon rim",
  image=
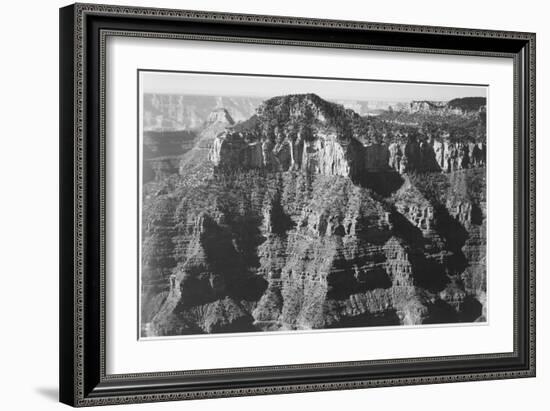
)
(286, 204)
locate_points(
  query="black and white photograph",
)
(292, 204)
(275, 205)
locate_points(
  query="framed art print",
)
(262, 204)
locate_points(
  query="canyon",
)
(175, 112)
(307, 215)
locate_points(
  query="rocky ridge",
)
(469, 106)
(273, 226)
(304, 132)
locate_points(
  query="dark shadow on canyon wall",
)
(471, 309)
(449, 228)
(441, 312)
(345, 282)
(385, 318)
(428, 274)
(383, 183)
(280, 221)
(225, 270)
(403, 227)
(477, 214)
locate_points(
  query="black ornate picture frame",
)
(84, 29)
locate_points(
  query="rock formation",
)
(174, 112)
(469, 106)
(216, 122)
(460, 155)
(321, 137)
(268, 225)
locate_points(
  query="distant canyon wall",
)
(190, 112)
(468, 106)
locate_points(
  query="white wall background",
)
(29, 204)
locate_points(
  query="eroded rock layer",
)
(299, 220)
(287, 250)
(304, 132)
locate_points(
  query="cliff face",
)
(469, 106)
(270, 227)
(460, 155)
(300, 132)
(327, 154)
(304, 132)
(290, 251)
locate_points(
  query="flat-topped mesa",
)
(465, 106)
(427, 106)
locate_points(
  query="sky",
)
(333, 89)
